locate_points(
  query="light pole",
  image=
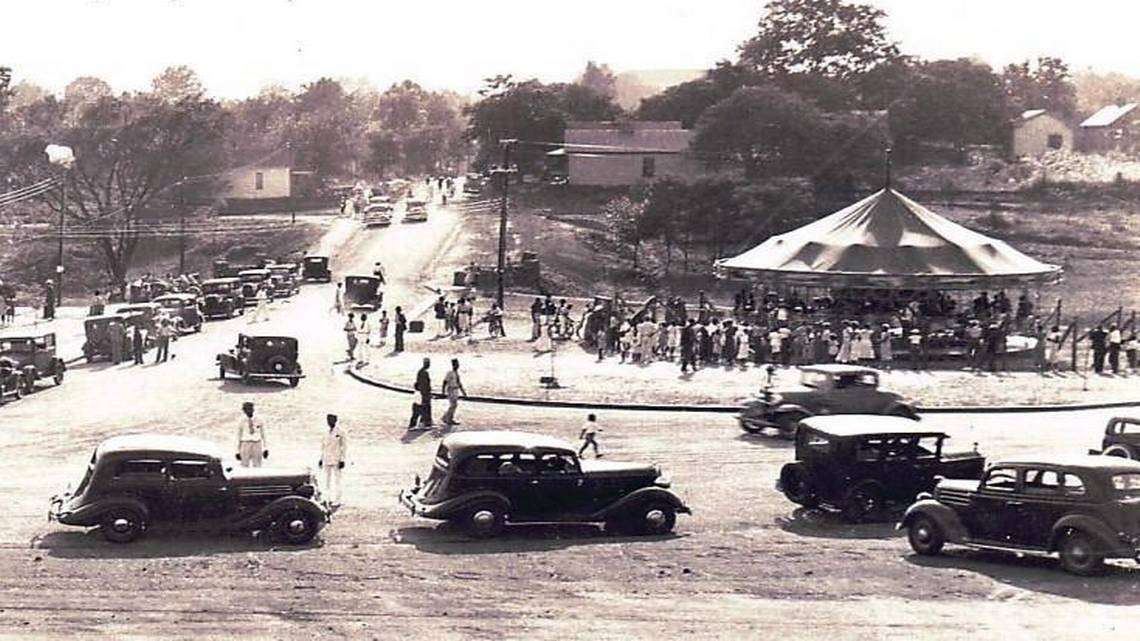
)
(62, 157)
(506, 172)
(182, 226)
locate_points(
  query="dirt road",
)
(744, 565)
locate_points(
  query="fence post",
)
(1074, 347)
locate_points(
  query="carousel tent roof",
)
(888, 241)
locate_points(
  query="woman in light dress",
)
(847, 336)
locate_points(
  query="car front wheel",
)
(926, 536)
(295, 526)
(1122, 451)
(58, 378)
(796, 486)
(1080, 555)
(483, 520)
(122, 525)
(655, 518)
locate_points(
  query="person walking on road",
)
(421, 412)
(1115, 341)
(350, 336)
(49, 300)
(383, 328)
(1098, 338)
(162, 335)
(252, 447)
(137, 345)
(401, 327)
(589, 436)
(338, 301)
(452, 387)
(261, 311)
(689, 347)
(333, 450)
(364, 335)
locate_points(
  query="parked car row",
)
(25, 361)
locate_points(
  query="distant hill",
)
(632, 86)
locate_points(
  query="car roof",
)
(361, 277)
(252, 271)
(158, 443)
(24, 337)
(177, 296)
(268, 337)
(838, 369)
(503, 439)
(316, 257)
(846, 425)
(220, 280)
(1073, 461)
(136, 306)
(113, 316)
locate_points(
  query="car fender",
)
(266, 514)
(91, 513)
(1088, 525)
(58, 365)
(903, 409)
(452, 507)
(943, 515)
(640, 496)
(786, 409)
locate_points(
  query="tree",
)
(625, 220)
(959, 102)
(530, 111)
(322, 133)
(176, 84)
(765, 130)
(5, 83)
(665, 209)
(599, 79)
(835, 39)
(132, 155)
(1046, 84)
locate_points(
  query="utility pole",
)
(181, 227)
(505, 170)
(59, 254)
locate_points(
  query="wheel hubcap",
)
(1078, 553)
(922, 534)
(655, 518)
(483, 518)
(297, 526)
(122, 525)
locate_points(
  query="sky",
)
(239, 46)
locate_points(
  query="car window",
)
(481, 465)
(1002, 480)
(139, 467)
(866, 380)
(817, 442)
(182, 470)
(515, 465)
(1072, 485)
(813, 379)
(1127, 486)
(557, 464)
(870, 449)
(1042, 482)
(1128, 427)
(926, 447)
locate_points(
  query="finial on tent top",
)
(888, 159)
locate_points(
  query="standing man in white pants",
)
(251, 438)
(333, 448)
(261, 311)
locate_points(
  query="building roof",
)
(845, 425)
(182, 445)
(1030, 114)
(633, 137)
(888, 241)
(494, 439)
(1082, 461)
(1108, 115)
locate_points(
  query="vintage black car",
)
(823, 389)
(12, 382)
(363, 292)
(144, 315)
(1085, 509)
(221, 298)
(1121, 438)
(136, 481)
(253, 281)
(483, 480)
(33, 358)
(860, 464)
(283, 281)
(98, 333)
(183, 309)
(316, 268)
(262, 357)
(415, 211)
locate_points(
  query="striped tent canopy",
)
(887, 241)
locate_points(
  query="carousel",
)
(887, 260)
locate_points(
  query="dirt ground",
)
(745, 564)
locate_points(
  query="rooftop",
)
(159, 443)
(504, 439)
(1108, 115)
(1082, 461)
(843, 425)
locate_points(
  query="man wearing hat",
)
(333, 448)
(251, 447)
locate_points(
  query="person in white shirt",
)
(364, 335)
(589, 436)
(452, 387)
(261, 311)
(333, 451)
(251, 447)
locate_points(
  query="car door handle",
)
(534, 482)
(1014, 503)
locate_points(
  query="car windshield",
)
(16, 345)
(813, 379)
(1127, 486)
(86, 477)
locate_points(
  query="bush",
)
(997, 221)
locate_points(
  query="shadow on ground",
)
(447, 538)
(1119, 585)
(819, 523)
(157, 543)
